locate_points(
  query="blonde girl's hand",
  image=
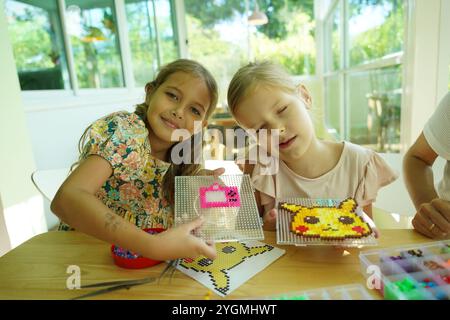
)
(216, 172)
(179, 242)
(270, 220)
(371, 224)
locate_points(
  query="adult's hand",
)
(433, 219)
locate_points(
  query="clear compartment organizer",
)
(414, 272)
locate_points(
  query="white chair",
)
(397, 209)
(48, 182)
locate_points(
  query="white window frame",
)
(41, 100)
(345, 70)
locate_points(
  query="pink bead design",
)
(232, 198)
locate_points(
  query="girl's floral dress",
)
(133, 191)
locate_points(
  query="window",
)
(333, 43)
(375, 30)
(37, 41)
(80, 46)
(363, 79)
(220, 37)
(142, 36)
(374, 103)
(288, 38)
(166, 24)
(333, 105)
(92, 28)
(152, 37)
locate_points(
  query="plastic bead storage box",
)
(415, 272)
(344, 292)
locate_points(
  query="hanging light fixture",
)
(257, 18)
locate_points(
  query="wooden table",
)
(37, 269)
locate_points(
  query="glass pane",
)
(36, 36)
(221, 39)
(152, 37)
(92, 28)
(333, 42)
(333, 106)
(166, 24)
(218, 38)
(375, 108)
(142, 36)
(288, 38)
(375, 29)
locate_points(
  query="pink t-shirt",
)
(359, 174)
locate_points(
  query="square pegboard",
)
(228, 205)
(286, 219)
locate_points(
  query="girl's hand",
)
(270, 220)
(433, 219)
(371, 224)
(216, 172)
(179, 242)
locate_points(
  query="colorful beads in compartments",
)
(446, 249)
(343, 292)
(410, 273)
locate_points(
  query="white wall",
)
(426, 63)
(56, 126)
(55, 131)
(22, 212)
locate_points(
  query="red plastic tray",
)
(139, 262)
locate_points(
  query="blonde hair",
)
(255, 74)
(190, 67)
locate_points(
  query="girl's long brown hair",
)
(197, 70)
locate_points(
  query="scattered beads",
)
(207, 295)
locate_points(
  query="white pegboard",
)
(287, 237)
(223, 223)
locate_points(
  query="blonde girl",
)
(262, 96)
